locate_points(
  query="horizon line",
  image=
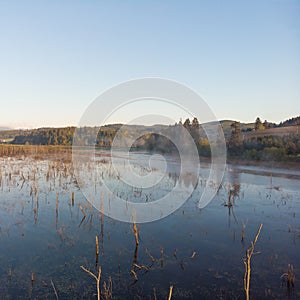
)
(5, 127)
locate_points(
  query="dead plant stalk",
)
(170, 292)
(136, 234)
(97, 278)
(54, 289)
(247, 263)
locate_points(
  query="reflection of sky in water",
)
(34, 239)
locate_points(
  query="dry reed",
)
(247, 263)
(97, 278)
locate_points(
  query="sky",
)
(57, 57)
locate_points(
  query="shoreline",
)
(288, 165)
(36, 150)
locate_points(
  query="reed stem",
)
(247, 263)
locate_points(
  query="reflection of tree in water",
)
(188, 179)
(234, 189)
(234, 185)
(174, 176)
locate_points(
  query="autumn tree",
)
(258, 124)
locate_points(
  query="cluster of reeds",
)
(36, 151)
(106, 291)
(289, 276)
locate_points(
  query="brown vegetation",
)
(37, 152)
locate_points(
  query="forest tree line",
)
(265, 147)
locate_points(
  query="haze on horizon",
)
(57, 57)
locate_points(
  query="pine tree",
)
(195, 130)
(187, 124)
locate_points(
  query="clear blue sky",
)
(242, 57)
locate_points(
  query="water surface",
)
(200, 252)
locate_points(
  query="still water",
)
(45, 235)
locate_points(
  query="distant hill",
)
(278, 131)
(64, 136)
(226, 125)
(290, 126)
(290, 122)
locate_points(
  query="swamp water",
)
(45, 236)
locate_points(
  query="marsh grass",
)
(37, 152)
